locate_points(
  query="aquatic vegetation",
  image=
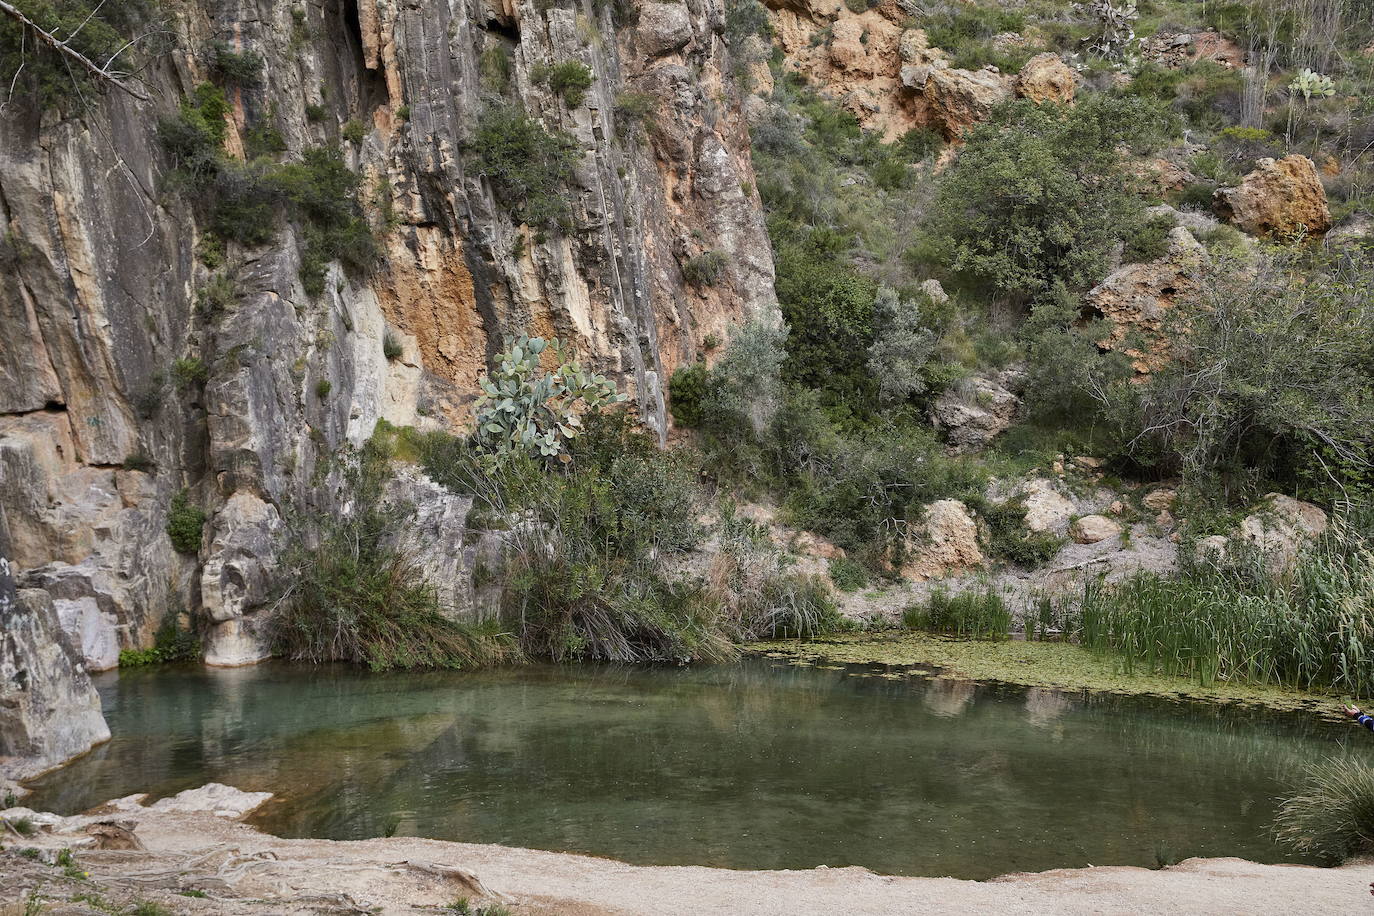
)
(173, 643)
(1311, 628)
(976, 613)
(1332, 814)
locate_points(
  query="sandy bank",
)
(241, 870)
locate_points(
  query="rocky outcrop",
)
(1135, 302)
(1046, 78)
(945, 544)
(957, 100)
(971, 413)
(120, 388)
(49, 710)
(1283, 198)
(1280, 525)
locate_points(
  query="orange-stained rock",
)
(1046, 78)
(957, 100)
(947, 543)
(1281, 197)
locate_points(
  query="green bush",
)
(705, 269)
(687, 390)
(1150, 241)
(636, 109)
(190, 372)
(172, 643)
(185, 523)
(528, 166)
(353, 131)
(238, 68)
(847, 575)
(1331, 813)
(744, 18)
(392, 348)
(973, 614)
(494, 67)
(1009, 539)
(568, 80)
(351, 594)
(31, 70)
(315, 114)
(1040, 197)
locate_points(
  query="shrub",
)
(31, 70)
(687, 389)
(636, 109)
(1150, 240)
(847, 575)
(216, 296)
(353, 131)
(238, 68)
(323, 387)
(172, 643)
(528, 166)
(973, 613)
(705, 269)
(525, 410)
(1331, 814)
(744, 18)
(746, 385)
(1039, 196)
(185, 522)
(139, 461)
(315, 114)
(190, 372)
(568, 80)
(901, 347)
(1270, 379)
(352, 593)
(392, 348)
(1009, 539)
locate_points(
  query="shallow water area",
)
(754, 765)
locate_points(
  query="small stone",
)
(1159, 500)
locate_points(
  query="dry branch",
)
(101, 73)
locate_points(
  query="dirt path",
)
(243, 871)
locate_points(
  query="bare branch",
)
(70, 53)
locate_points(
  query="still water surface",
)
(755, 765)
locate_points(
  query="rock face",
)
(947, 543)
(1046, 78)
(1281, 197)
(1135, 301)
(1280, 526)
(49, 710)
(973, 412)
(118, 391)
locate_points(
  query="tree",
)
(1040, 194)
(901, 347)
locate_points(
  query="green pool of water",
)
(754, 765)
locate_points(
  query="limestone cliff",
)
(103, 268)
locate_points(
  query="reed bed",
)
(1310, 627)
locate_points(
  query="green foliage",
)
(636, 109)
(172, 643)
(315, 114)
(494, 67)
(216, 296)
(1312, 628)
(1009, 539)
(139, 461)
(744, 18)
(569, 80)
(31, 70)
(392, 348)
(847, 575)
(323, 387)
(901, 347)
(525, 410)
(705, 269)
(353, 594)
(1039, 197)
(687, 390)
(353, 131)
(745, 387)
(403, 113)
(966, 32)
(1150, 240)
(1271, 381)
(528, 166)
(190, 372)
(237, 68)
(972, 614)
(322, 194)
(1331, 813)
(185, 521)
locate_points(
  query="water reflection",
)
(756, 765)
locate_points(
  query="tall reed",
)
(1311, 626)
